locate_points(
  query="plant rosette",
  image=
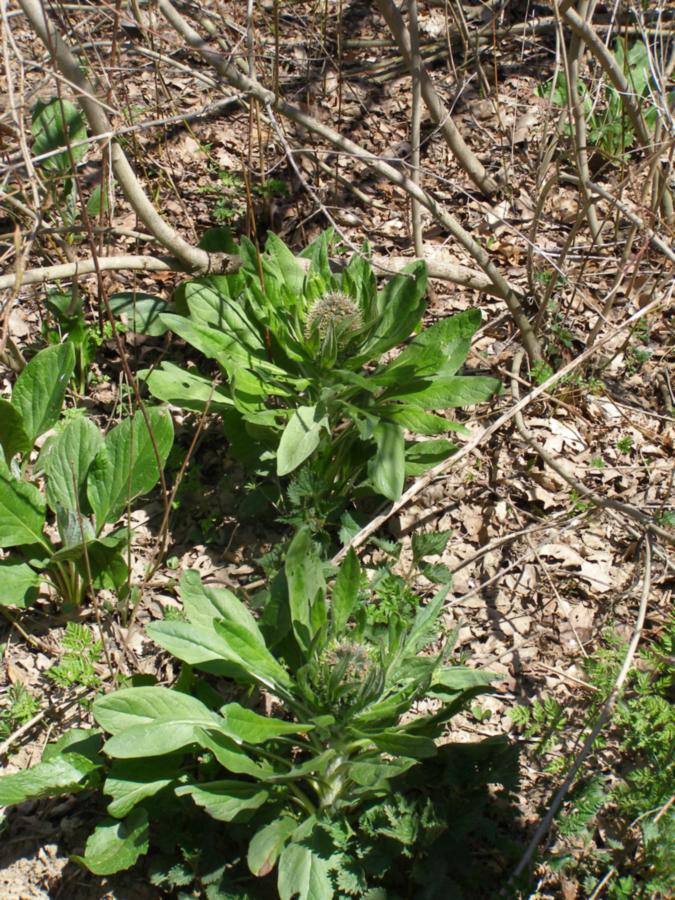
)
(341, 734)
(82, 482)
(306, 390)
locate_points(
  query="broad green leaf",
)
(218, 240)
(386, 470)
(65, 774)
(13, 437)
(140, 312)
(398, 743)
(371, 773)
(205, 602)
(437, 351)
(131, 782)
(419, 421)
(143, 705)
(39, 390)
(186, 389)
(216, 344)
(226, 800)
(306, 585)
(231, 756)
(19, 584)
(162, 736)
(250, 728)
(300, 438)
(22, 511)
(254, 658)
(454, 679)
(424, 455)
(400, 306)
(209, 306)
(115, 846)
(65, 460)
(127, 465)
(58, 123)
(345, 595)
(292, 273)
(431, 543)
(303, 874)
(447, 393)
(267, 844)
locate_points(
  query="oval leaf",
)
(300, 438)
(39, 390)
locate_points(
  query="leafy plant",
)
(309, 789)
(89, 480)
(81, 652)
(307, 391)
(19, 707)
(609, 127)
(621, 822)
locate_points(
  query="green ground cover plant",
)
(328, 788)
(619, 822)
(82, 481)
(308, 389)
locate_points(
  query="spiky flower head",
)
(335, 311)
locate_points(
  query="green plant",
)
(609, 128)
(619, 824)
(19, 707)
(89, 480)
(81, 653)
(625, 444)
(307, 393)
(313, 789)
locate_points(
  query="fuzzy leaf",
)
(226, 800)
(13, 436)
(130, 707)
(19, 584)
(345, 594)
(66, 459)
(205, 602)
(448, 392)
(267, 844)
(431, 543)
(131, 782)
(116, 845)
(247, 726)
(304, 874)
(127, 465)
(300, 438)
(63, 774)
(22, 511)
(186, 389)
(58, 123)
(424, 455)
(306, 585)
(39, 390)
(387, 469)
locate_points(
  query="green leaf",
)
(186, 389)
(210, 306)
(438, 573)
(387, 469)
(455, 679)
(306, 585)
(345, 595)
(304, 874)
(116, 845)
(141, 312)
(127, 466)
(438, 351)
(292, 273)
(134, 706)
(300, 438)
(431, 543)
(13, 437)
(39, 390)
(19, 584)
(231, 756)
(447, 393)
(22, 511)
(65, 774)
(247, 726)
(131, 782)
(424, 455)
(226, 800)
(400, 306)
(58, 123)
(204, 602)
(419, 421)
(398, 743)
(65, 459)
(267, 844)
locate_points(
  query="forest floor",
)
(540, 575)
